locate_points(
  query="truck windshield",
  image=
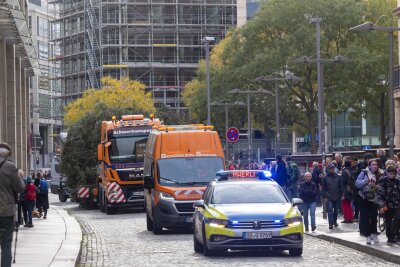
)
(126, 149)
(187, 171)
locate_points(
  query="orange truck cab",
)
(180, 161)
(121, 156)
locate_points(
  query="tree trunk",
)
(268, 140)
(382, 121)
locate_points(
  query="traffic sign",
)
(232, 134)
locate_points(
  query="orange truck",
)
(121, 156)
(179, 163)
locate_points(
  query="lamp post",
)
(207, 40)
(277, 121)
(227, 105)
(320, 83)
(248, 92)
(369, 26)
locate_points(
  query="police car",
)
(246, 210)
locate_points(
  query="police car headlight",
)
(218, 223)
(293, 221)
(166, 196)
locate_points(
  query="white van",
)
(55, 176)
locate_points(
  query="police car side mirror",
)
(199, 204)
(297, 201)
(148, 182)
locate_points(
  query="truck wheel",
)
(149, 222)
(62, 196)
(101, 201)
(206, 251)
(156, 229)
(296, 252)
(108, 209)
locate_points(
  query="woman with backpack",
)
(367, 182)
(30, 198)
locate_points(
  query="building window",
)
(42, 27)
(36, 2)
(43, 50)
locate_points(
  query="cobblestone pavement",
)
(122, 240)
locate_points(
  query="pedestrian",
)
(316, 178)
(348, 188)
(44, 197)
(30, 198)
(367, 182)
(272, 168)
(388, 163)
(231, 166)
(293, 177)
(281, 172)
(332, 189)
(308, 193)
(388, 202)
(381, 154)
(22, 211)
(339, 160)
(11, 183)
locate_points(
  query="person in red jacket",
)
(30, 196)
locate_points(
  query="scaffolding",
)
(157, 42)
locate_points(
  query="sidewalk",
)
(54, 241)
(348, 235)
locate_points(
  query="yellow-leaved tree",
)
(116, 93)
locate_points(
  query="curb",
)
(70, 249)
(362, 248)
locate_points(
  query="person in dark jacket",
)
(332, 189)
(308, 193)
(316, 178)
(281, 172)
(388, 201)
(347, 173)
(367, 182)
(10, 183)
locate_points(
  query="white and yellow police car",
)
(246, 210)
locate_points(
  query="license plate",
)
(257, 235)
(189, 219)
(138, 193)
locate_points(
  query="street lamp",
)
(320, 82)
(248, 92)
(207, 40)
(277, 122)
(369, 26)
(227, 105)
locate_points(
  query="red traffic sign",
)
(232, 134)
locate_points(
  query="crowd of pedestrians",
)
(358, 190)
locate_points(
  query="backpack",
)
(294, 172)
(30, 192)
(44, 187)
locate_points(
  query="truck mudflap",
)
(87, 196)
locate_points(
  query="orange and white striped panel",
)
(115, 194)
(83, 192)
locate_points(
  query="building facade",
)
(17, 62)
(46, 109)
(157, 42)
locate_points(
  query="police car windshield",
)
(240, 193)
(190, 170)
